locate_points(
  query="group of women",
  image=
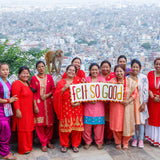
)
(33, 107)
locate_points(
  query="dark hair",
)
(157, 59)
(121, 66)
(3, 64)
(71, 66)
(90, 67)
(22, 69)
(105, 61)
(136, 61)
(39, 63)
(75, 59)
(121, 56)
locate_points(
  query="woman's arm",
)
(16, 90)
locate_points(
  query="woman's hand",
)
(75, 104)
(13, 99)
(125, 102)
(94, 102)
(36, 110)
(18, 113)
(156, 98)
(65, 86)
(83, 80)
(43, 97)
(151, 94)
(142, 107)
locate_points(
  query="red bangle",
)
(8, 101)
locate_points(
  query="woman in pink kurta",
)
(122, 113)
(94, 113)
(43, 108)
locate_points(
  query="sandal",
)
(51, 146)
(125, 147)
(118, 146)
(75, 149)
(10, 157)
(86, 146)
(64, 149)
(99, 146)
(44, 149)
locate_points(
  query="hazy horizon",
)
(77, 2)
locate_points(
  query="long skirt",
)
(25, 141)
(152, 134)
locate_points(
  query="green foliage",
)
(146, 45)
(16, 58)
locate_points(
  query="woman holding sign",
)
(122, 113)
(94, 113)
(5, 112)
(70, 115)
(108, 75)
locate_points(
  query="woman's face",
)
(122, 61)
(94, 71)
(119, 73)
(41, 68)
(4, 71)
(105, 68)
(24, 75)
(157, 66)
(71, 72)
(135, 68)
(77, 63)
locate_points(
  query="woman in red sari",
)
(152, 129)
(108, 75)
(77, 63)
(43, 106)
(122, 120)
(23, 111)
(70, 115)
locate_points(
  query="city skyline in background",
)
(89, 29)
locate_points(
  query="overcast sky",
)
(50, 2)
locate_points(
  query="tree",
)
(15, 57)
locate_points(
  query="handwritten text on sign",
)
(96, 92)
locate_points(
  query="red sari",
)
(44, 119)
(80, 74)
(70, 118)
(25, 125)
